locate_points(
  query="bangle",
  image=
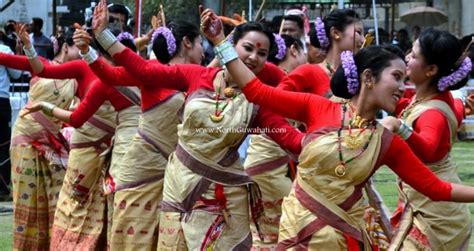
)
(225, 52)
(90, 56)
(30, 52)
(47, 108)
(106, 39)
(404, 131)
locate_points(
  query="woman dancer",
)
(429, 123)
(344, 147)
(266, 162)
(339, 31)
(214, 195)
(39, 155)
(138, 186)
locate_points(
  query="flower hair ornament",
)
(281, 47)
(125, 35)
(321, 34)
(456, 76)
(350, 71)
(168, 35)
(55, 42)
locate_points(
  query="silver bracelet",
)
(225, 53)
(106, 39)
(404, 131)
(30, 52)
(47, 108)
(90, 57)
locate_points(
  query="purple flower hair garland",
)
(125, 35)
(321, 34)
(281, 47)
(350, 71)
(456, 76)
(168, 35)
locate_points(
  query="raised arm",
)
(411, 170)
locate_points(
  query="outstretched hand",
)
(101, 17)
(81, 38)
(31, 109)
(211, 26)
(22, 32)
(391, 123)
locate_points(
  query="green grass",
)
(463, 154)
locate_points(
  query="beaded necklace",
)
(229, 93)
(341, 169)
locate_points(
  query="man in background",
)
(42, 44)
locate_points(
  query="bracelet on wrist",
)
(30, 52)
(90, 57)
(404, 131)
(47, 108)
(106, 39)
(225, 52)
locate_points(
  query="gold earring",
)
(428, 74)
(337, 37)
(369, 84)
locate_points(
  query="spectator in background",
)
(10, 37)
(404, 40)
(42, 44)
(384, 37)
(5, 120)
(293, 26)
(119, 16)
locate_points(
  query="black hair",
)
(289, 41)
(65, 39)
(339, 19)
(374, 57)
(119, 8)
(442, 49)
(241, 30)
(180, 29)
(295, 18)
(38, 22)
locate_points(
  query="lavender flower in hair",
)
(456, 76)
(281, 47)
(168, 35)
(321, 34)
(350, 72)
(125, 35)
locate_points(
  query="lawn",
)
(463, 154)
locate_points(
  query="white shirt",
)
(6, 73)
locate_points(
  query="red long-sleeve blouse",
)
(430, 140)
(86, 79)
(189, 78)
(318, 112)
(307, 78)
(95, 97)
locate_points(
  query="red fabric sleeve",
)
(307, 78)
(111, 75)
(412, 171)
(271, 74)
(293, 105)
(18, 62)
(178, 77)
(76, 69)
(430, 135)
(280, 130)
(94, 98)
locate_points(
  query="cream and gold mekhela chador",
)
(267, 165)
(80, 218)
(207, 194)
(39, 156)
(324, 211)
(137, 183)
(447, 225)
